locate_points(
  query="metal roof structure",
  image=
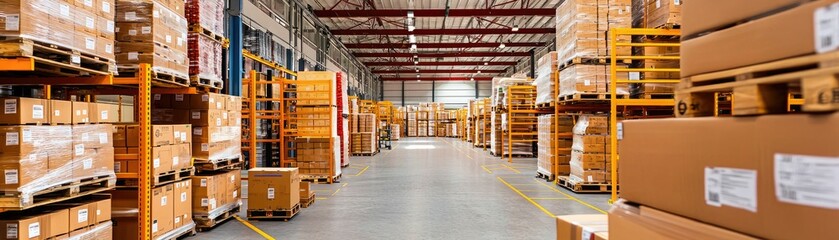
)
(402, 40)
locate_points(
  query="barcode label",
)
(12, 139)
(10, 106)
(11, 230)
(731, 187)
(807, 180)
(270, 193)
(38, 111)
(826, 24)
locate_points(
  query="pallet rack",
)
(521, 111)
(302, 99)
(257, 83)
(670, 37)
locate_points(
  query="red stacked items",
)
(205, 60)
(208, 14)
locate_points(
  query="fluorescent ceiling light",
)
(411, 28)
(414, 46)
(412, 38)
(410, 14)
(502, 45)
(471, 79)
(479, 71)
(486, 63)
(416, 62)
(515, 28)
(419, 80)
(417, 70)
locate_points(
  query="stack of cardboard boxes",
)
(412, 123)
(744, 177)
(215, 119)
(582, 38)
(554, 154)
(171, 148)
(273, 189)
(364, 137)
(205, 53)
(656, 13)
(395, 131)
(47, 146)
(314, 156)
(85, 218)
(86, 26)
(545, 78)
(152, 32)
(590, 150)
(171, 210)
(216, 193)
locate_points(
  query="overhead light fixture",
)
(414, 46)
(516, 28)
(486, 63)
(416, 56)
(472, 79)
(416, 62)
(412, 38)
(411, 14)
(502, 45)
(479, 71)
(419, 80)
(417, 70)
(411, 28)
(418, 75)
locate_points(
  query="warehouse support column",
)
(532, 63)
(403, 93)
(432, 90)
(476, 89)
(381, 90)
(234, 30)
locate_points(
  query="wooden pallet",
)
(16, 201)
(764, 88)
(546, 177)
(320, 178)
(656, 96)
(202, 165)
(178, 233)
(364, 154)
(583, 187)
(161, 78)
(208, 222)
(160, 179)
(306, 202)
(273, 214)
(589, 61)
(54, 60)
(207, 33)
(197, 81)
(550, 104)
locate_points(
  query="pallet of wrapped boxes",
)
(216, 197)
(583, 47)
(62, 37)
(546, 77)
(364, 136)
(171, 211)
(205, 42)
(590, 156)
(307, 196)
(47, 157)
(273, 193)
(171, 155)
(87, 217)
(554, 143)
(153, 32)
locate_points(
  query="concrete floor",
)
(428, 188)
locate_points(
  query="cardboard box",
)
(305, 190)
(105, 47)
(132, 136)
(93, 162)
(56, 223)
(208, 101)
(93, 136)
(104, 113)
(181, 133)
(207, 191)
(181, 156)
(162, 210)
(628, 222)
(216, 118)
(19, 110)
(105, 8)
(181, 101)
(80, 112)
(752, 150)
(80, 216)
(22, 227)
(583, 226)
(22, 170)
(753, 42)
(60, 112)
(183, 203)
(273, 188)
(161, 159)
(162, 135)
(119, 136)
(710, 15)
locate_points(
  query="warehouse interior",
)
(419, 119)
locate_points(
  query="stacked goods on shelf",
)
(84, 218)
(555, 140)
(545, 78)
(206, 21)
(395, 131)
(583, 44)
(756, 190)
(656, 14)
(152, 32)
(171, 151)
(77, 35)
(496, 133)
(519, 123)
(412, 124)
(364, 133)
(273, 193)
(44, 154)
(590, 152)
(216, 196)
(318, 154)
(313, 155)
(171, 211)
(802, 48)
(422, 128)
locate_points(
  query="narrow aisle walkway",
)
(429, 188)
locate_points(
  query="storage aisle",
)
(428, 188)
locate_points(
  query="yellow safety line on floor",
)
(550, 198)
(254, 228)
(321, 198)
(339, 189)
(514, 170)
(526, 198)
(486, 169)
(572, 197)
(362, 171)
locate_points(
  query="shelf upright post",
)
(613, 112)
(252, 116)
(144, 197)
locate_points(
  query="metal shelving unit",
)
(520, 109)
(301, 100)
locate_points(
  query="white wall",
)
(454, 94)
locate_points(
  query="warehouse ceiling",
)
(444, 39)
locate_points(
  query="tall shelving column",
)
(306, 105)
(614, 129)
